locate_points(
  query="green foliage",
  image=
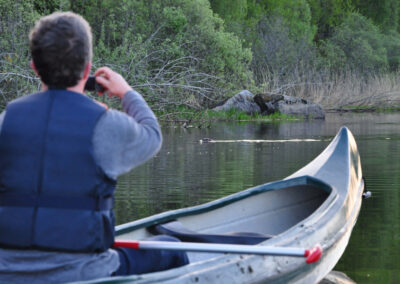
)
(223, 53)
(279, 54)
(45, 7)
(175, 19)
(194, 117)
(296, 15)
(176, 50)
(240, 16)
(327, 14)
(279, 32)
(357, 44)
(194, 53)
(230, 10)
(16, 77)
(384, 13)
(242, 116)
(391, 42)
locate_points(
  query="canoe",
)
(318, 204)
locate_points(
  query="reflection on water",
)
(187, 173)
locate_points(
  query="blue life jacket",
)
(53, 195)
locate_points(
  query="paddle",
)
(312, 255)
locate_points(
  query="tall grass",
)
(340, 90)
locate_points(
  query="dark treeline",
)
(195, 53)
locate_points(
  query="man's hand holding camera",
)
(112, 82)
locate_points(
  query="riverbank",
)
(202, 118)
(363, 109)
(189, 118)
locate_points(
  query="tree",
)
(357, 44)
(327, 14)
(384, 13)
(296, 14)
(279, 55)
(240, 17)
(176, 52)
(16, 76)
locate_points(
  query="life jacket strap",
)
(13, 199)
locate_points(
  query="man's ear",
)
(86, 72)
(34, 68)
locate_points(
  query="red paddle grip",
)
(127, 244)
(314, 254)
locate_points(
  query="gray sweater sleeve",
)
(2, 119)
(122, 141)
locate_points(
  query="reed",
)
(347, 89)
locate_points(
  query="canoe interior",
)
(269, 211)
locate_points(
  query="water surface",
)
(186, 172)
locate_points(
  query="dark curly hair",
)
(61, 47)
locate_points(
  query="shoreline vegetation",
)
(203, 119)
(187, 56)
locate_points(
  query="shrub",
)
(296, 15)
(176, 52)
(358, 45)
(16, 77)
(279, 54)
(391, 42)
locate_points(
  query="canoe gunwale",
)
(341, 238)
(351, 221)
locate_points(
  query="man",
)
(60, 155)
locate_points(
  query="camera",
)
(92, 85)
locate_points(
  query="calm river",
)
(186, 172)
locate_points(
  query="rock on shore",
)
(242, 101)
(267, 104)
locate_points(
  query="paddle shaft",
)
(312, 255)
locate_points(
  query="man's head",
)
(61, 47)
